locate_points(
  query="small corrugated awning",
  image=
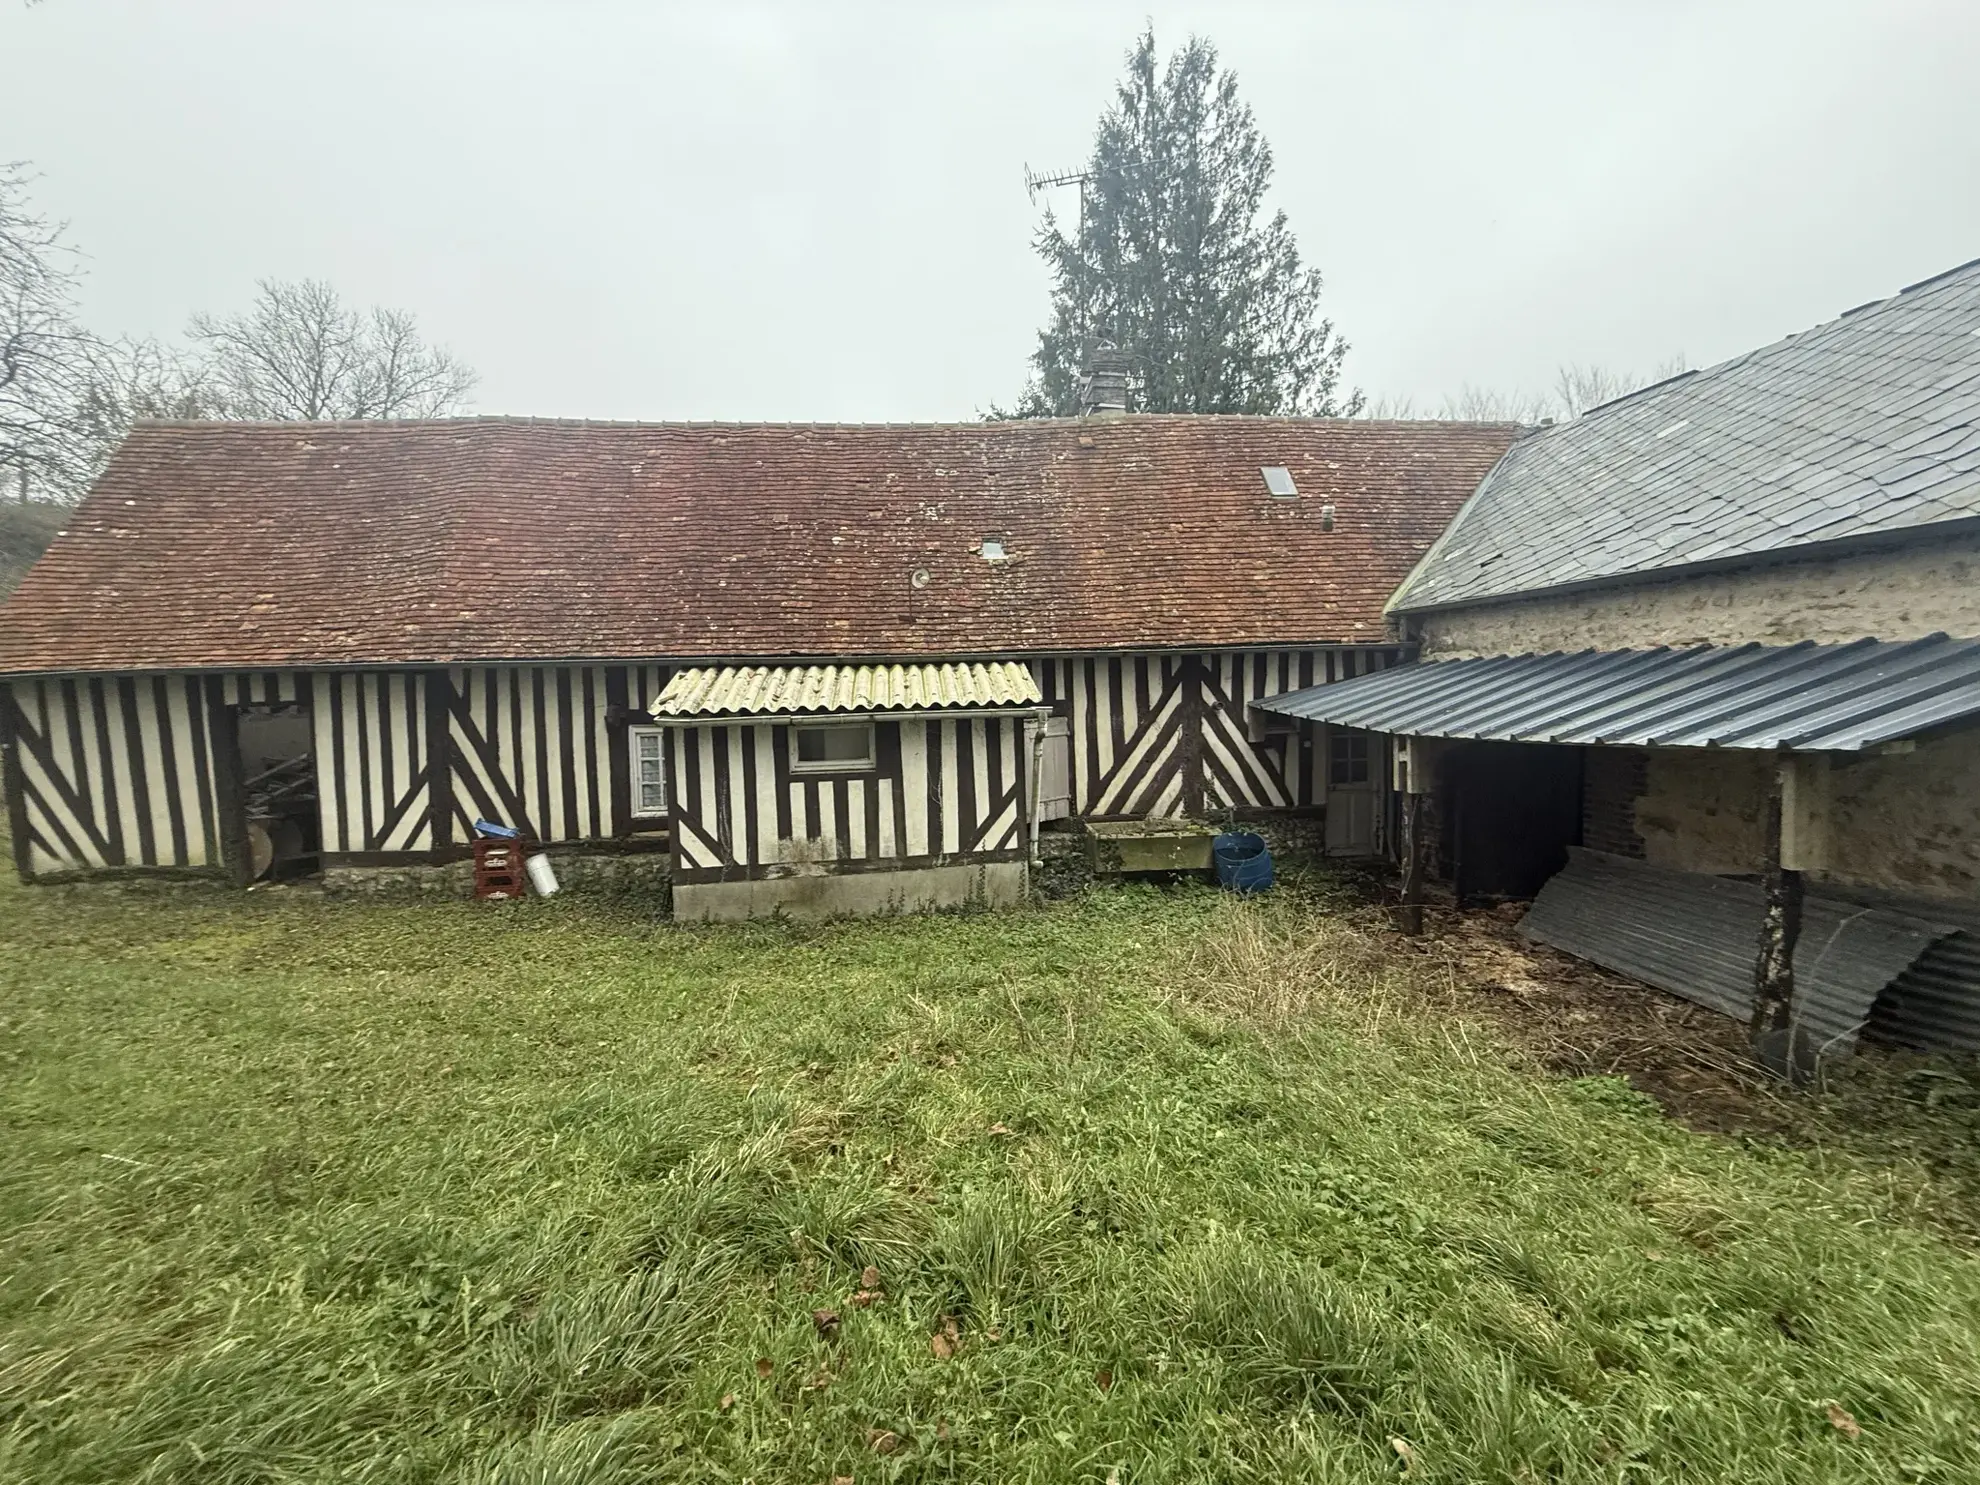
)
(760, 690)
(1820, 698)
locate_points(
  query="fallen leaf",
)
(862, 1299)
(942, 1433)
(1842, 1422)
(728, 1401)
(827, 1322)
(1406, 1453)
(999, 1129)
(869, 1277)
(941, 1347)
(842, 1480)
(993, 1334)
(882, 1440)
(1104, 1380)
(952, 1327)
(818, 1381)
(1114, 1476)
(765, 1366)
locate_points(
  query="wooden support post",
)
(1410, 918)
(1776, 1044)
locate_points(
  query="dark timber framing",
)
(138, 771)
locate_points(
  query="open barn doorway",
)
(282, 834)
(1510, 812)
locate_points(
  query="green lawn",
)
(295, 1189)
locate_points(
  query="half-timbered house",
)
(414, 626)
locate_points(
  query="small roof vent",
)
(1279, 481)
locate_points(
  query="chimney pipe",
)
(1103, 393)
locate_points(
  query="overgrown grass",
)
(1157, 1186)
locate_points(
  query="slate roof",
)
(775, 690)
(1863, 427)
(222, 545)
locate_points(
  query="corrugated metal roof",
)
(760, 690)
(1805, 696)
(1869, 424)
(1698, 936)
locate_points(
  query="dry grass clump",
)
(1273, 961)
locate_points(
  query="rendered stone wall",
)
(1703, 810)
(1910, 822)
(1899, 595)
(1907, 822)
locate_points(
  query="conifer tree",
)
(1176, 261)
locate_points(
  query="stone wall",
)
(1703, 810)
(1901, 594)
(1905, 822)
(1909, 822)
(644, 874)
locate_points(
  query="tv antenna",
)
(1034, 182)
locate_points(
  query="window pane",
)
(1347, 758)
(844, 743)
(649, 774)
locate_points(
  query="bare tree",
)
(1579, 388)
(1576, 390)
(300, 353)
(124, 381)
(44, 352)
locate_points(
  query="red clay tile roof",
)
(221, 545)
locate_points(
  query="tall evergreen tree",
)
(1176, 263)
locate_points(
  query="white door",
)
(1055, 770)
(1351, 794)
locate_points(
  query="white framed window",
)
(649, 770)
(831, 747)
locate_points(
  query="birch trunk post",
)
(1772, 1027)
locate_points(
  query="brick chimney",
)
(1103, 393)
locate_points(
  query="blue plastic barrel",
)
(1243, 863)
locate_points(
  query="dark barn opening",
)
(278, 791)
(1510, 812)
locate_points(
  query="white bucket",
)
(542, 880)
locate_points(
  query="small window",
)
(993, 549)
(649, 771)
(1347, 759)
(1279, 481)
(832, 747)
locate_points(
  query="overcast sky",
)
(817, 211)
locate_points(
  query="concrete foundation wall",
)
(1904, 594)
(821, 895)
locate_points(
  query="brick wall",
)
(1612, 780)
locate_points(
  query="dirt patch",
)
(1576, 1019)
(1580, 1020)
